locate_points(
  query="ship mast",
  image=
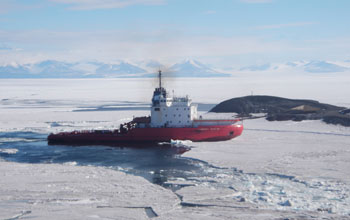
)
(160, 79)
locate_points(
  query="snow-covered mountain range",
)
(302, 66)
(186, 68)
(194, 68)
(58, 69)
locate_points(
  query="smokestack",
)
(160, 79)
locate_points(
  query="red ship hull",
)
(200, 133)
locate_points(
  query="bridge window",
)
(157, 109)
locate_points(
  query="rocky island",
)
(281, 109)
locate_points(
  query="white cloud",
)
(277, 26)
(133, 45)
(168, 46)
(105, 4)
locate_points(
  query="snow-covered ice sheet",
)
(309, 148)
(54, 191)
(274, 170)
(285, 165)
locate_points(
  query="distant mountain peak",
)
(323, 67)
(186, 68)
(121, 68)
(315, 66)
(193, 63)
(193, 68)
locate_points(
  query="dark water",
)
(156, 163)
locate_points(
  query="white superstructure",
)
(169, 111)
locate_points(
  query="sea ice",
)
(274, 170)
(54, 191)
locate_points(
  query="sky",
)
(221, 32)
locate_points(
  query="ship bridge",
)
(167, 111)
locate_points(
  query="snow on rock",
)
(64, 192)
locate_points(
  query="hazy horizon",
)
(220, 33)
